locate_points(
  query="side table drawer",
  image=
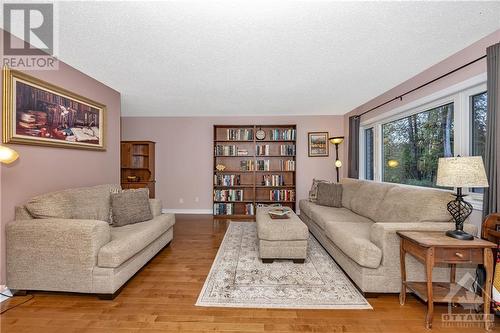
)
(453, 255)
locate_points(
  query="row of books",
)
(283, 134)
(239, 134)
(287, 150)
(263, 165)
(282, 195)
(247, 165)
(228, 209)
(287, 165)
(273, 180)
(262, 150)
(223, 209)
(228, 195)
(230, 150)
(227, 180)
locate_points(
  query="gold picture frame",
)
(48, 115)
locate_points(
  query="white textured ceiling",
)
(273, 57)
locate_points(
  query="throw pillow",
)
(313, 193)
(130, 206)
(330, 194)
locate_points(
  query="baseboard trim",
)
(186, 211)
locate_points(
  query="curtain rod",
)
(400, 97)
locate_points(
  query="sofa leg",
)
(298, 261)
(267, 261)
(109, 297)
(16, 292)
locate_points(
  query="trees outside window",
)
(479, 111)
(413, 145)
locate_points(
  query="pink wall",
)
(43, 169)
(456, 60)
(184, 153)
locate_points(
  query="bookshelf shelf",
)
(138, 165)
(256, 186)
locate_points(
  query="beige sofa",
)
(80, 251)
(361, 236)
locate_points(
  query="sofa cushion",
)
(329, 195)
(130, 206)
(410, 204)
(354, 240)
(368, 198)
(323, 214)
(90, 203)
(128, 240)
(350, 187)
(313, 192)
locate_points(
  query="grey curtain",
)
(353, 149)
(491, 202)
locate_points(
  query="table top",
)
(439, 239)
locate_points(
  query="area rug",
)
(238, 278)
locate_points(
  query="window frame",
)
(459, 94)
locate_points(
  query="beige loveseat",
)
(361, 236)
(79, 251)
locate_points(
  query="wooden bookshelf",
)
(245, 189)
(138, 165)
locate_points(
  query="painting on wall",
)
(318, 144)
(38, 113)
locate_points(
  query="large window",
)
(412, 146)
(479, 111)
(369, 170)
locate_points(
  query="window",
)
(479, 111)
(369, 154)
(412, 146)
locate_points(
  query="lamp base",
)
(459, 234)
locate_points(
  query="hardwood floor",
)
(161, 298)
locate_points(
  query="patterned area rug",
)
(238, 278)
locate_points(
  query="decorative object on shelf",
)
(317, 144)
(461, 172)
(8, 155)
(38, 113)
(220, 167)
(260, 134)
(337, 140)
(138, 165)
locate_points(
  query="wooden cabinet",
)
(138, 165)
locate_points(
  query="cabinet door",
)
(126, 155)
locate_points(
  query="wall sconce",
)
(7, 155)
(337, 140)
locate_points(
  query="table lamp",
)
(461, 172)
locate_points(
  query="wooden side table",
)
(434, 248)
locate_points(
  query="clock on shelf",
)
(260, 134)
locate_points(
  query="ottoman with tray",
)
(282, 238)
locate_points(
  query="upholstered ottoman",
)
(281, 238)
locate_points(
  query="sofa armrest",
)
(54, 254)
(155, 205)
(383, 234)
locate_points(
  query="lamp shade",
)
(461, 172)
(336, 140)
(7, 155)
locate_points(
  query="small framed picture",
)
(318, 144)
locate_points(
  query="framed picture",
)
(38, 113)
(318, 144)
